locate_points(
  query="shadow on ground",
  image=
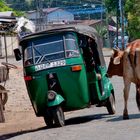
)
(120, 118)
(71, 121)
(84, 119)
(10, 135)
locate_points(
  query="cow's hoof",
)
(125, 117)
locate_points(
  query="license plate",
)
(50, 65)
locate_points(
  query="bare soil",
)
(19, 115)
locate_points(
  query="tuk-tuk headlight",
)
(51, 95)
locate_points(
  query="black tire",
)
(48, 118)
(49, 122)
(111, 104)
(59, 118)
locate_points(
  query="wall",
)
(11, 43)
(60, 15)
(57, 15)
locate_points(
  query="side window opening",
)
(90, 53)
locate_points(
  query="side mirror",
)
(17, 54)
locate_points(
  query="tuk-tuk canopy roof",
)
(82, 29)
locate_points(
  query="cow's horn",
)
(116, 49)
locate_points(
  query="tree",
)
(132, 14)
(111, 5)
(3, 6)
(132, 8)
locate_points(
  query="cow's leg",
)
(138, 95)
(126, 95)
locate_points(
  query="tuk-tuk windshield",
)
(50, 48)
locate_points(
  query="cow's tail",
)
(138, 96)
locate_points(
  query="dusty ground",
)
(19, 115)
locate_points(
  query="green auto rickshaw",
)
(60, 73)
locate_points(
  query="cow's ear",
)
(115, 50)
(117, 60)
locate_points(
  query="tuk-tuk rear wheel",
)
(111, 104)
(48, 118)
(49, 122)
(58, 116)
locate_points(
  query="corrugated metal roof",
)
(7, 21)
(3, 19)
(7, 17)
(46, 10)
(49, 10)
(7, 14)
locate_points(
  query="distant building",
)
(121, 40)
(50, 16)
(6, 19)
(8, 41)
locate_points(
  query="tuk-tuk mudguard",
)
(58, 100)
(108, 87)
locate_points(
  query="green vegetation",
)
(132, 9)
(132, 13)
(111, 6)
(5, 7)
(26, 5)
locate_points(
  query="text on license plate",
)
(50, 65)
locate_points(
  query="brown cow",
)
(127, 64)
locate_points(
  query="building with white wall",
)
(50, 16)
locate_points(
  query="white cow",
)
(24, 26)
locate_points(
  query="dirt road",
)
(19, 114)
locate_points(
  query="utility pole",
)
(102, 6)
(117, 13)
(39, 14)
(121, 3)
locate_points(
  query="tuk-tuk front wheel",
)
(58, 116)
(111, 104)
